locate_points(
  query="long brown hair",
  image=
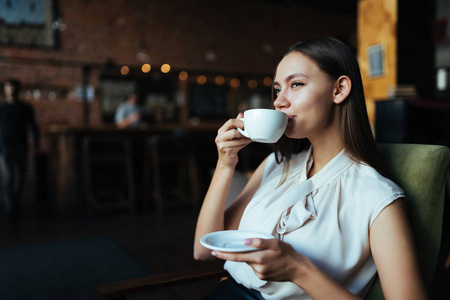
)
(336, 59)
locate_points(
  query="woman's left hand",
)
(276, 261)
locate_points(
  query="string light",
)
(124, 70)
(165, 68)
(235, 82)
(252, 84)
(267, 81)
(202, 79)
(146, 68)
(219, 80)
(183, 75)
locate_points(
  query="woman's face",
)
(305, 93)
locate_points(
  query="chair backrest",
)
(421, 170)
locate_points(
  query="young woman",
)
(324, 194)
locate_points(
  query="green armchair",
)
(420, 169)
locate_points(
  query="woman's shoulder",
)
(373, 177)
(364, 193)
(368, 186)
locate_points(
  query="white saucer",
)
(231, 240)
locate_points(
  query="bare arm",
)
(393, 250)
(212, 214)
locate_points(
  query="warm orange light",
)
(146, 68)
(183, 75)
(201, 79)
(219, 80)
(165, 68)
(252, 84)
(124, 70)
(235, 82)
(267, 81)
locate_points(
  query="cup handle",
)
(243, 132)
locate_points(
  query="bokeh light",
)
(165, 68)
(201, 79)
(183, 75)
(146, 68)
(252, 84)
(124, 70)
(235, 82)
(267, 81)
(219, 80)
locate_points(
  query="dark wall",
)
(416, 50)
(247, 36)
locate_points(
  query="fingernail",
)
(247, 242)
(213, 253)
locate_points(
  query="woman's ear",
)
(342, 89)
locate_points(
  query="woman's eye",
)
(276, 90)
(296, 84)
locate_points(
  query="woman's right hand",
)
(214, 214)
(229, 141)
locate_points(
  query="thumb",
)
(260, 243)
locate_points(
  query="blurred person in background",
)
(17, 122)
(130, 114)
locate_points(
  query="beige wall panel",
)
(377, 24)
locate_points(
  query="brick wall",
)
(178, 32)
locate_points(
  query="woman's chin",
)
(293, 135)
(290, 135)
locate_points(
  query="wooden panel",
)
(377, 24)
(122, 289)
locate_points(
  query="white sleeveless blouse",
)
(326, 218)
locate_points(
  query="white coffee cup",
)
(264, 125)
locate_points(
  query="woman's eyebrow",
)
(295, 75)
(292, 76)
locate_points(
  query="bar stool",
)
(174, 169)
(108, 173)
(152, 178)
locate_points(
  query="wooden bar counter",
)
(65, 146)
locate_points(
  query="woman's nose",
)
(281, 101)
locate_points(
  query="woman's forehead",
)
(296, 63)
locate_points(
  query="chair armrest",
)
(121, 289)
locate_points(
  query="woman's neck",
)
(322, 154)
